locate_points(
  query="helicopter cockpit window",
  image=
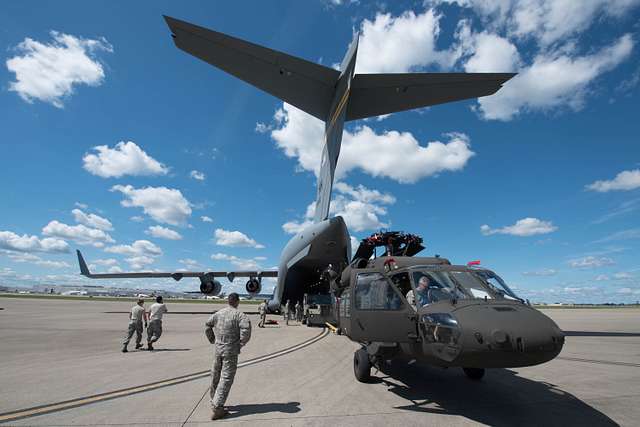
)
(374, 292)
(433, 286)
(497, 286)
(402, 282)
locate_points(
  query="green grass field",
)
(131, 299)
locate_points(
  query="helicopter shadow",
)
(502, 398)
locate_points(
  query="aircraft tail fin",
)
(334, 125)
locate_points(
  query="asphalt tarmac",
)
(60, 364)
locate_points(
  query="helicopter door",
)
(378, 312)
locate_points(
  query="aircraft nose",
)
(507, 336)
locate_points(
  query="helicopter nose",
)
(507, 336)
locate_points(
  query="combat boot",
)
(219, 413)
(139, 346)
(149, 347)
(124, 349)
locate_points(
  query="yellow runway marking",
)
(74, 403)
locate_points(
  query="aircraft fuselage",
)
(306, 255)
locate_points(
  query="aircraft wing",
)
(304, 84)
(377, 94)
(177, 275)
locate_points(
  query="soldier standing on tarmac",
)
(287, 313)
(155, 322)
(262, 309)
(231, 331)
(136, 317)
(299, 311)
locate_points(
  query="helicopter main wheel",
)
(362, 365)
(475, 374)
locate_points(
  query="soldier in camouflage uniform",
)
(136, 317)
(156, 311)
(231, 330)
(262, 310)
(299, 311)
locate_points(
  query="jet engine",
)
(253, 286)
(209, 285)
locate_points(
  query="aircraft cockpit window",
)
(374, 292)
(497, 286)
(402, 282)
(433, 286)
(472, 284)
(484, 284)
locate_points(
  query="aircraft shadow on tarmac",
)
(263, 408)
(502, 398)
(600, 334)
(157, 350)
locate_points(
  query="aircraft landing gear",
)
(475, 374)
(362, 365)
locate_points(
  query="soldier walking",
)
(136, 317)
(231, 330)
(156, 311)
(262, 310)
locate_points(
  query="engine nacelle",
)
(209, 285)
(253, 286)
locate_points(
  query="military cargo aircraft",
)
(333, 96)
(399, 306)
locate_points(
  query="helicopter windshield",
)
(432, 286)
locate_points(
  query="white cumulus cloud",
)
(554, 79)
(392, 154)
(49, 72)
(25, 243)
(34, 259)
(240, 263)
(395, 44)
(78, 233)
(163, 233)
(205, 218)
(137, 248)
(361, 208)
(126, 158)
(625, 180)
(197, 175)
(92, 220)
(235, 239)
(590, 262)
(164, 205)
(140, 261)
(523, 227)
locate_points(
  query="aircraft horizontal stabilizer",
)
(304, 84)
(377, 94)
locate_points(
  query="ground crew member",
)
(286, 312)
(231, 331)
(136, 317)
(262, 309)
(299, 311)
(155, 322)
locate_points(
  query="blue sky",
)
(115, 142)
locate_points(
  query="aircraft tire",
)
(475, 374)
(362, 365)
